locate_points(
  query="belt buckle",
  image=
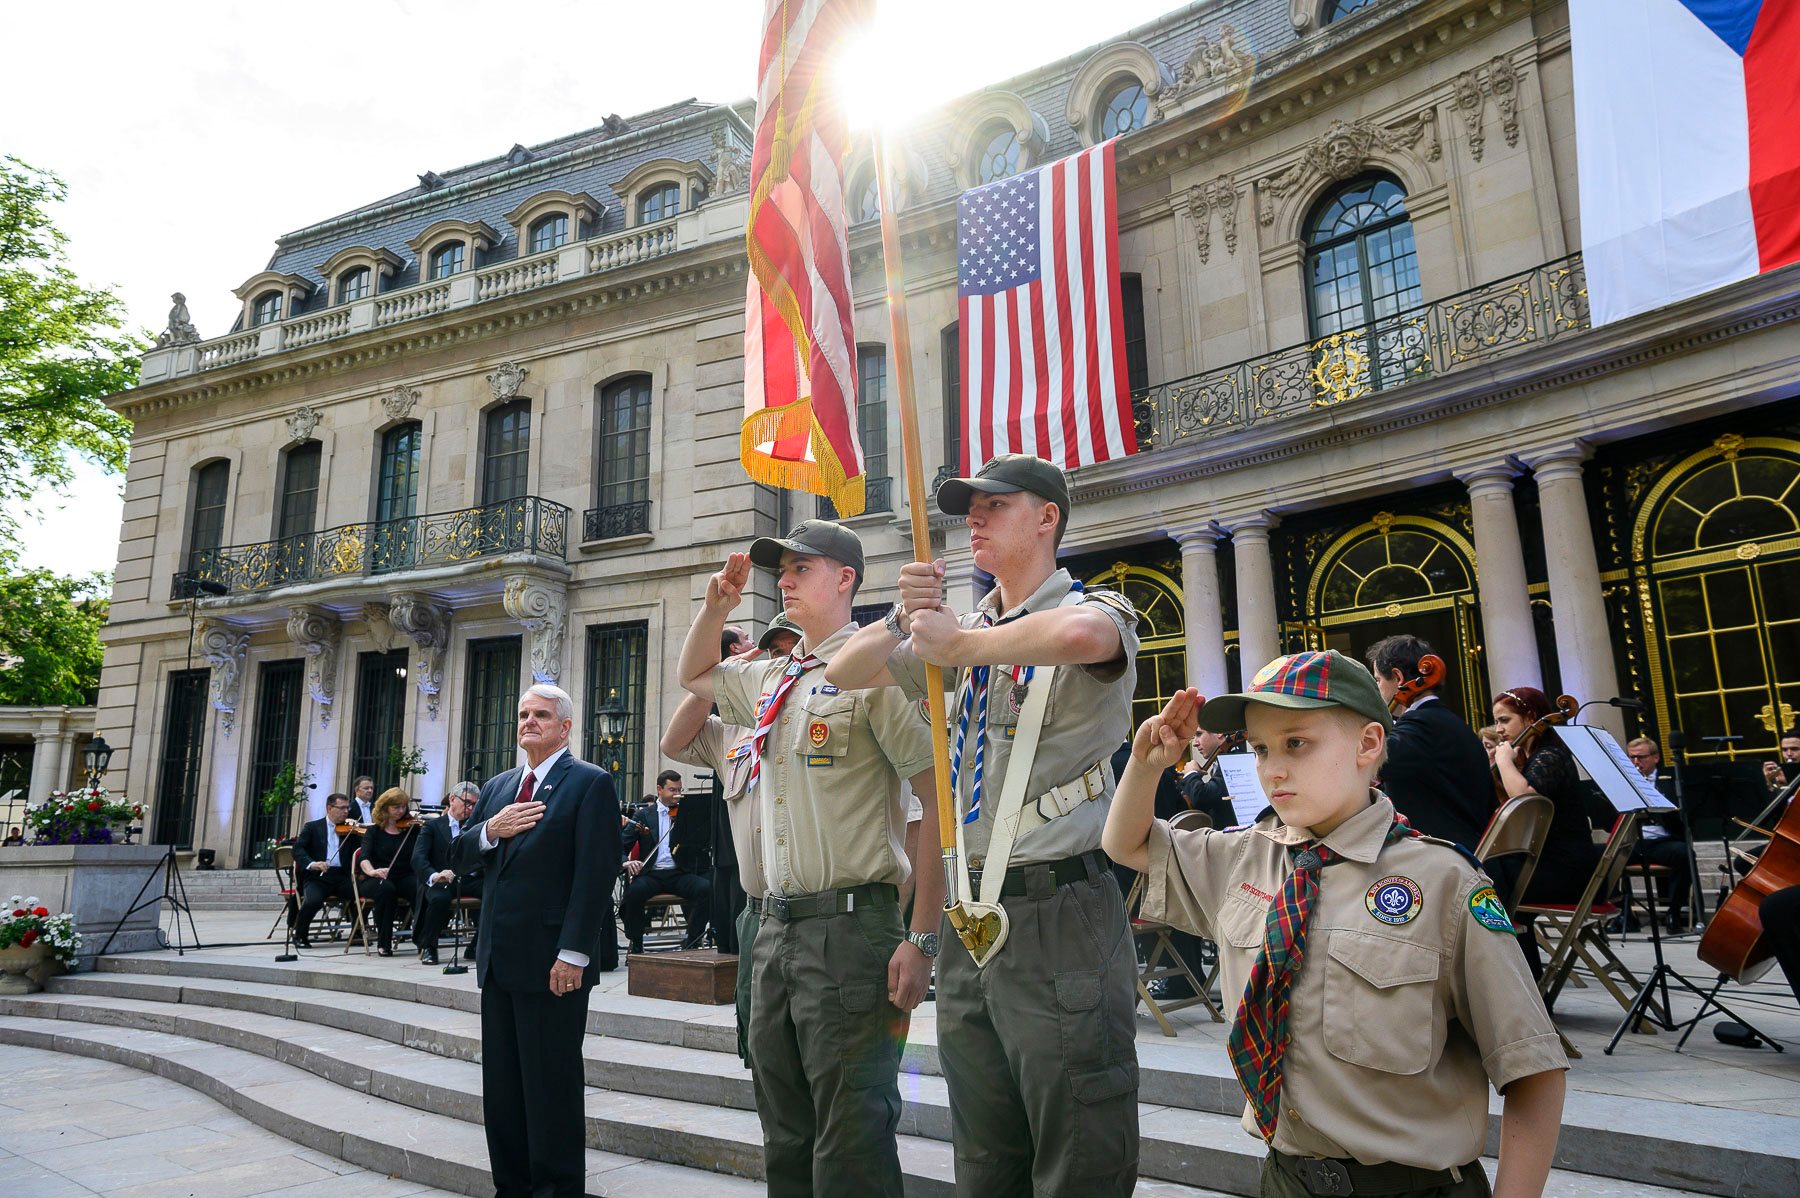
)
(778, 907)
(1325, 1177)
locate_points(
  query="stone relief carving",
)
(1213, 61)
(1503, 81)
(506, 380)
(542, 609)
(375, 615)
(181, 330)
(225, 648)
(1204, 199)
(399, 403)
(317, 632)
(1499, 79)
(302, 422)
(1302, 14)
(1344, 150)
(731, 165)
(428, 625)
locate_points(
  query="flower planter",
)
(18, 964)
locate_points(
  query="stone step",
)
(1715, 1150)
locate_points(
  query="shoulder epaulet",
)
(1110, 599)
(1460, 851)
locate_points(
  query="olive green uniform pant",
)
(747, 920)
(1039, 1048)
(826, 1043)
(1280, 1182)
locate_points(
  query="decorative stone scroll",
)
(1204, 199)
(542, 609)
(1345, 150)
(302, 422)
(1499, 79)
(400, 402)
(428, 625)
(317, 632)
(506, 380)
(225, 648)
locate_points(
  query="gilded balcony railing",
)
(524, 525)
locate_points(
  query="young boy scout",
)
(1381, 987)
(694, 736)
(1038, 1045)
(834, 972)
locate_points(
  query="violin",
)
(1564, 709)
(349, 828)
(1430, 677)
(1229, 742)
(1734, 942)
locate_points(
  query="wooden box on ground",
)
(697, 975)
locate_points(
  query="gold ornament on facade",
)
(1383, 522)
(1341, 372)
(1729, 445)
(1749, 551)
(347, 558)
(1391, 611)
(1767, 718)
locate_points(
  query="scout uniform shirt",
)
(829, 791)
(1088, 716)
(1412, 995)
(725, 750)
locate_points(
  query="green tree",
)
(63, 348)
(50, 636)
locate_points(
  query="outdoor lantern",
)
(99, 756)
(613, 714)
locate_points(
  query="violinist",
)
(387, 862)
(322, 860)
(1436, 772)
(1203, 786)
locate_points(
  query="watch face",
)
(927, 942)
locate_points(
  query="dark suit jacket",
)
(690, 857)
(313, 845)
(544, 890)
(1438, 775)
(431, 853)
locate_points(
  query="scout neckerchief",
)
(771, 710)
(1259, 1034)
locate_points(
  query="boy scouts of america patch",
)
(1488, 911)
(1395, 900)
(818, 734)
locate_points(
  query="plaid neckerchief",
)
(1259, 1034)
(771, 709)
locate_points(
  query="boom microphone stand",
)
(456, 965)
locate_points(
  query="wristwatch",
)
(925, 942)
(892, 623)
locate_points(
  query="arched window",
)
(950, 346)
(1362, 268)
(446, 260)
(354, 285)
(999, 153)
(865, 199)
(1125, 108)
(871, 432)
(550, 232)
(206, 524)
(397, 484)
(298, 510)
(659, 203)
(625, 441)
(506, 452)
(267, 309)
(1343, 8)
(1745, 497)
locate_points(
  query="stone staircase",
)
(231, 889)
(382, 1071)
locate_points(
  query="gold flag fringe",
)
(824, 475)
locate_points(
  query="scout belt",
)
(830, 902)
(1069, 869)
(1094, 783)
(1330, 1177)
(753, 904)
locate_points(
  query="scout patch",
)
(925, 710)
(828, 689)
(819, 733)
(1488, 911)
(1395, 900)
(821, 761)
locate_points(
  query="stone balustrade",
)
(635, 245)
(511, 278)
(412, 304)
(228, 350)
(322, 326)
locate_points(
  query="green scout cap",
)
(1005, 473)
(1299, 681)
(778, 625)
(813, 538)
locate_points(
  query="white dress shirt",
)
(663, 859)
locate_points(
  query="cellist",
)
(1436, 772)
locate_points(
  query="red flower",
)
(42, 911)
(94, 805)
(136, 809)
(18, 910)
(29, 938)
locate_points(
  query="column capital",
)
(1485, 476)
(1195, 535)
(1252, 527)
(1558, 462)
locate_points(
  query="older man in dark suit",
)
(439, 883)
(547, 836)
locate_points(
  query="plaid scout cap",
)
(811, 538)
(1300, 681)
(777, 626)
(1004, 473)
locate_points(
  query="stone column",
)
(1583, 640)
(1508, 636)
(1203, 614)
(46, 752)
(1259, 633)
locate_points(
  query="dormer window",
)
(270, 296)
(267, 309)
(450, 246)
(550, 220)
(999, 154)
(355, 272)
(865, 202)
(659, 203)
(1124, 109)
(663, 188)
(446, 260)
(549, 233)
(1343, 8)
(355, 284)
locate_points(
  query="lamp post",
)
(99, 756)
(613, 717)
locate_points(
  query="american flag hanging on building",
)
(1043, 328)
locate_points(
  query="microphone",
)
(1632, 704)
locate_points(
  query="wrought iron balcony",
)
(616, 520)
(878, 496)
(524, 525)
(1531, 308)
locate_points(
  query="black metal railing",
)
(524, 525)
(617, 520)
(878, 496)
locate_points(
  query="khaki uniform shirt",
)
(1088, 717)
(1396, 1024)
(725, 750)
(829, 801)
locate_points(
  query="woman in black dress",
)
(387, 863)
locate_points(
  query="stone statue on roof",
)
(731, 165)
(181, 330)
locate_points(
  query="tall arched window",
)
(397, 485)
(446, 260)
(865, 198)
(1361, 268)
(549, 233)
(1125, 107)
(659, 203)
(950, 345)
(625, 441)
(506, 452)
(999, 153)
(206, 523)
(297, 512)
(267, 309)
(354, 285)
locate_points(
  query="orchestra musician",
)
(1203, 786)
(387, 871)
(439, 882)
(666, 864)
(362, 800)
(322, 859)
(1777, 774)
(1437, 773)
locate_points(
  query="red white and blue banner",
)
(1687, 139)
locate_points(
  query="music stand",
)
(173, 887)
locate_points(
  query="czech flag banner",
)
(1687, 139)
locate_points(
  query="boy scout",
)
(833, 971)
(1027, 1119)
(694, 736)
(1381, 986)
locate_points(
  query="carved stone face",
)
(1342, 155)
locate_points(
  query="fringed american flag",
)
(1042, 323)
(799, 426)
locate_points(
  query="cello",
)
(1430, 677)
(1734, 943)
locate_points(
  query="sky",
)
(191, 135)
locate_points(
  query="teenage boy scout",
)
(834, 970)
(693, 736)
(1382, 987)
(1038, 1045)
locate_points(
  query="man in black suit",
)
(322, 859)
(439, 883)
(667, 863)
(547, 836)
(1437, 772)
(1662, 839)
(362, 799)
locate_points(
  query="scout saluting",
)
(1382, 990)
(834, 971)
(1047, 673)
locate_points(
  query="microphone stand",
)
(456, 965)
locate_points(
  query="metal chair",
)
(1518, 830)
(360, 929)
(1161, 960)
(286, 885)
(1575, 933)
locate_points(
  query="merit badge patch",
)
(1395, 900)
(1488, 911)
(818, 734)
(821, 761)
(828, 689)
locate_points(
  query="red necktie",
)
(525, 788)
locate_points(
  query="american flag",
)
(1043, 328)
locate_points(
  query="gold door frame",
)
(1163, 642)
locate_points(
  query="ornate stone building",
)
(486, 430)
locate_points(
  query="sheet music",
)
(1241, 785)
(1606, 763)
